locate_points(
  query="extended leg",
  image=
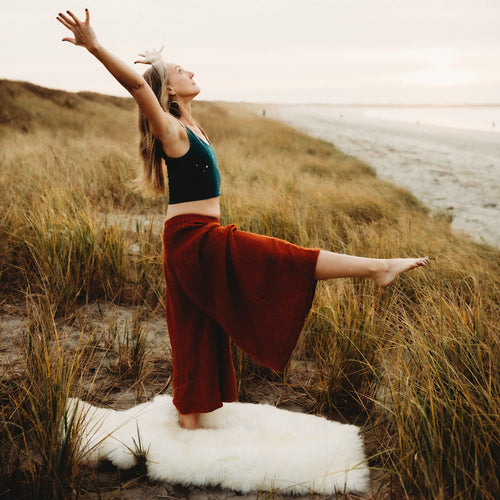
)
(332, 265)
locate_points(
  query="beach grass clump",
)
(36, 426)
(444, 401)
(128, 344)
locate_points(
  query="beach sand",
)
(453, 171)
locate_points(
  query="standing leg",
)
(190, 421)
(202, 369)
(332, 265)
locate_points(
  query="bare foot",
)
(190, 421)
(392, 268)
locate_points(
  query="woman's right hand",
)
(84, 35)
(162, 123)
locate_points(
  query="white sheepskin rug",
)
(243, 447)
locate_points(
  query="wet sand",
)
(451, 170)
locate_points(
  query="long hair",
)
(152, 178)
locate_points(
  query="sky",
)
(321, 51)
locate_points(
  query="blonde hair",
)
(152, 177)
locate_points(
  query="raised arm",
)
(163, 124)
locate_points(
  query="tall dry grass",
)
(39, 443)
(417, 364)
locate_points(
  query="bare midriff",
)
(210, 207)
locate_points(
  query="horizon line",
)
(304, 103)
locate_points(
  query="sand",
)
(451, 170)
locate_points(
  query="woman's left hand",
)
(84, 34)
(150, 57)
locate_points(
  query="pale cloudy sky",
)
(337, 51)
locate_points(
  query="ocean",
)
(449, 157)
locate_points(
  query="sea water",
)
(449, 157)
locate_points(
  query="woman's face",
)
(181, 81)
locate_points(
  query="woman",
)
(221, 283)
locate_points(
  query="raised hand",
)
(150, 57)
(132, 81)
(84, 35)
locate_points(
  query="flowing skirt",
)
(223, 284)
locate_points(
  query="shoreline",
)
(455, 172)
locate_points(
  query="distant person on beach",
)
(221, 283)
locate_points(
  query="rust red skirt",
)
(224, 284)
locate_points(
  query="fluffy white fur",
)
(244, 447)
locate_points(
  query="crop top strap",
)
(206, 140)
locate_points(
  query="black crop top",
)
(194, 175)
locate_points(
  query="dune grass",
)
(417, 365)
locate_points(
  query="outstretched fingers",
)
(83, 33)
